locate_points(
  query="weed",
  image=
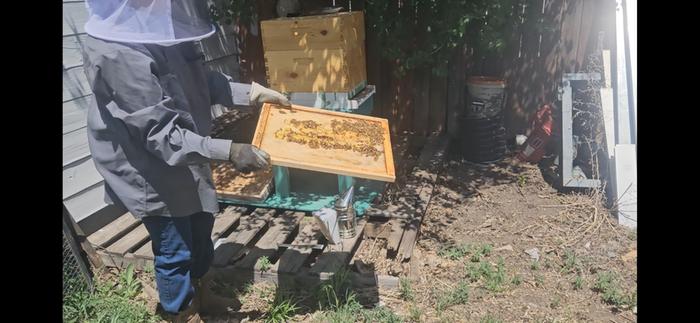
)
(517, 280)
(414, 313)
(380, 314)
(539, 280)
(264, 263)
(405, 289)
(571, 263)
(578, 282)
(458, 295)
(489, 319)
(535, 265)
(611, 293)
(109, 302)
(454, 252)
(281, 309)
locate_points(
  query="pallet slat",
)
(221, 223)
(293, 258)
(280, 228)
(335, 257)
(236, 242)
(129, 241)
(226, 220)
(113, 230)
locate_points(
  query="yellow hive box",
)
(324, 53)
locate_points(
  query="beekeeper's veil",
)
(163, 22)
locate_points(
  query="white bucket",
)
(485, 97)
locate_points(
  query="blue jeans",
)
(183, 250)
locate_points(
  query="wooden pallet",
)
(242, 237)
(406, 213)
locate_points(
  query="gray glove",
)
(247, 158)
(260, 94)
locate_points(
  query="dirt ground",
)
(519, 250)
(513, 209)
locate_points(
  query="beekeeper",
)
(148, 130)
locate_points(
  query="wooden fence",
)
(425, 103)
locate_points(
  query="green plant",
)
(517, 280)
(476, 257)
(128, 284)
(423, 33)
(489, 319)
(521, 180)
(535, 265)
(343, 312)
(496, 279)
(405, 289)
(281, 309)
(611, 293)
(578, 282)
(571, 262)
(473, 272)
(264, 263)
(454, 252)
(486, 249)
(414, 313)
(380, 314)
(458, 295)
(226, 12)
(539, 280)
(149, 269)
(334, 292)
(110, 301)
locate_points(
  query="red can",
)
(541, 133)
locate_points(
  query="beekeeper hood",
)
(162, 22)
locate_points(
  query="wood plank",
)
(72, 50)
(146, 251)
(329, 70)
(75, 146)
(293, 258)
(222, 222)
(113, 230)
(426, 171)
(232, 184)
(79, 177)
(86, 203)
(280, 228)
(129, 241)
(75, 83)
(335, 257)
(75, 113)
(378, 229)
(321, 32)
(75, 16)
(232, 247)
(395, 235)
(337, 161)
(225, 220)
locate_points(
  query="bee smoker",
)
(346, 214)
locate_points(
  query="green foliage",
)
(109, 302)
(226, 12)
(281, 310)
(415, 41)
(458, 295)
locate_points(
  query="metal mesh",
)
(74, 279)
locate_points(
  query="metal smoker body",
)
(346, 214)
